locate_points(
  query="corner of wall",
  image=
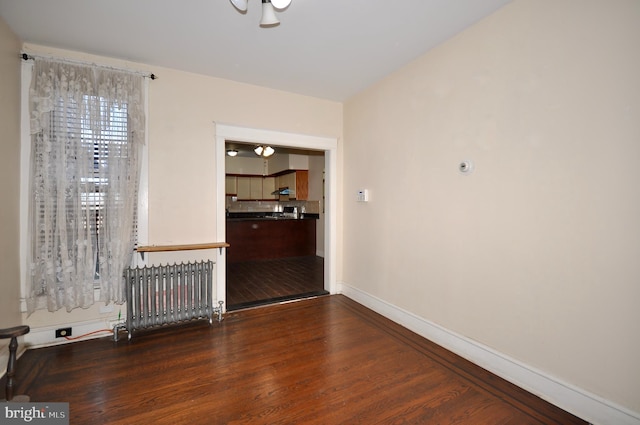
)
(10, 70)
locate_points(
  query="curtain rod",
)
(26, 56)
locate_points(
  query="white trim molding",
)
(329, 145)
(577, 401)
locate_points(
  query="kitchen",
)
(274, 223)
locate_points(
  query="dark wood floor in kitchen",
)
(254, 283)
(321, 361)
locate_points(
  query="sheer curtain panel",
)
(87, 132)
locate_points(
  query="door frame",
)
(226, 132)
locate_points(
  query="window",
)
(112, 142)
(87, 128)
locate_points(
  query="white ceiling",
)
(329, 49)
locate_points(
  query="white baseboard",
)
(45, 336)
(577, 401)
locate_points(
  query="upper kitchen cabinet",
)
(249, 188)
(268, 188)
(256, 187)
(298, 183)
(244, 187)
(230, 185)
(302, 185)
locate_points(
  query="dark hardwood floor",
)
(325, 360)
(260, 282)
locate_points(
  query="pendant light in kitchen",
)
(264, 151)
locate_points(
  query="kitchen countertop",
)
(267, 216)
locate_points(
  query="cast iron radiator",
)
(171, 294)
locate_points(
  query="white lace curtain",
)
(87, 131)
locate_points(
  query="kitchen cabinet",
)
(230, 187)
(297, 182)
(263, 239)
(268, 187)
(255, 188)
(249, 188)
(302, 185)
(288, 180)
(244, 187)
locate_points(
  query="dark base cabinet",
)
(267, 239)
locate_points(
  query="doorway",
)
(227, 134)
(274, 224)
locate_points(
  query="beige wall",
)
(536, 253)
(182, 108)
(9, 177)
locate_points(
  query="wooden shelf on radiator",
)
(163, 248)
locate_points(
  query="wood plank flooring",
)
(324, 361)
(260, 282)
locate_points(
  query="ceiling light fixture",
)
(232, 152)
(264, 151)
(268, 12)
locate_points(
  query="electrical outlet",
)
(63, 332)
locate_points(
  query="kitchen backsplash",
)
(310, 207)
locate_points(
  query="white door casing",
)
(329, 145)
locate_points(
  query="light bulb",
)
(280, 4)
(268, 151)
(241, 5)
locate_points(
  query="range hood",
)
(281, 191)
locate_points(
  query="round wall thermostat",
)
(466, 166)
